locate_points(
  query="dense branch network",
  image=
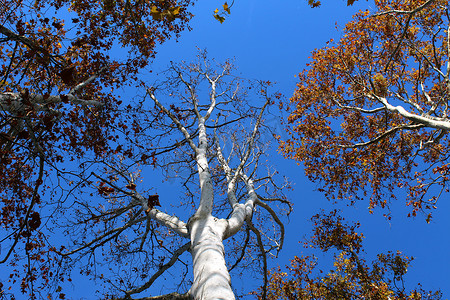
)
(219, 151)
(59, 108)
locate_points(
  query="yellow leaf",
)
(172, 13)
(226, 8)
(155, 13)
(154, 9)
(175, 10)
(216, 11)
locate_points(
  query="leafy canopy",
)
(58, 105)
(369, 115)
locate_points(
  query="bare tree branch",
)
(263, 255)
(161, 270)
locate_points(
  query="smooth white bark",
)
(425, 120)
(13, 102)
(205, 181)
(211, 277)
(169, 221)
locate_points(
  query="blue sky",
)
(272, 40)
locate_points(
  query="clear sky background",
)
(272, 40)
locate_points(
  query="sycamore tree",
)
(207, 130)
(351, 277)
(369, 121)
(58, 102)
(369, 116)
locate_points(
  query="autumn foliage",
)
(351, 277)
(369, 116)
(58, 104)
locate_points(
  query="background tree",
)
(352, 277)
(210, 137)
(369, 115)
(57, 103)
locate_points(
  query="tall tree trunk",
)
(211, 277)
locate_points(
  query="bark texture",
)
(211, 277)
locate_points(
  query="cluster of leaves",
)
(369, 114)
(352, 277)
(221, 15)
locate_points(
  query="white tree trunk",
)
(212, 280)
(211, 277)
